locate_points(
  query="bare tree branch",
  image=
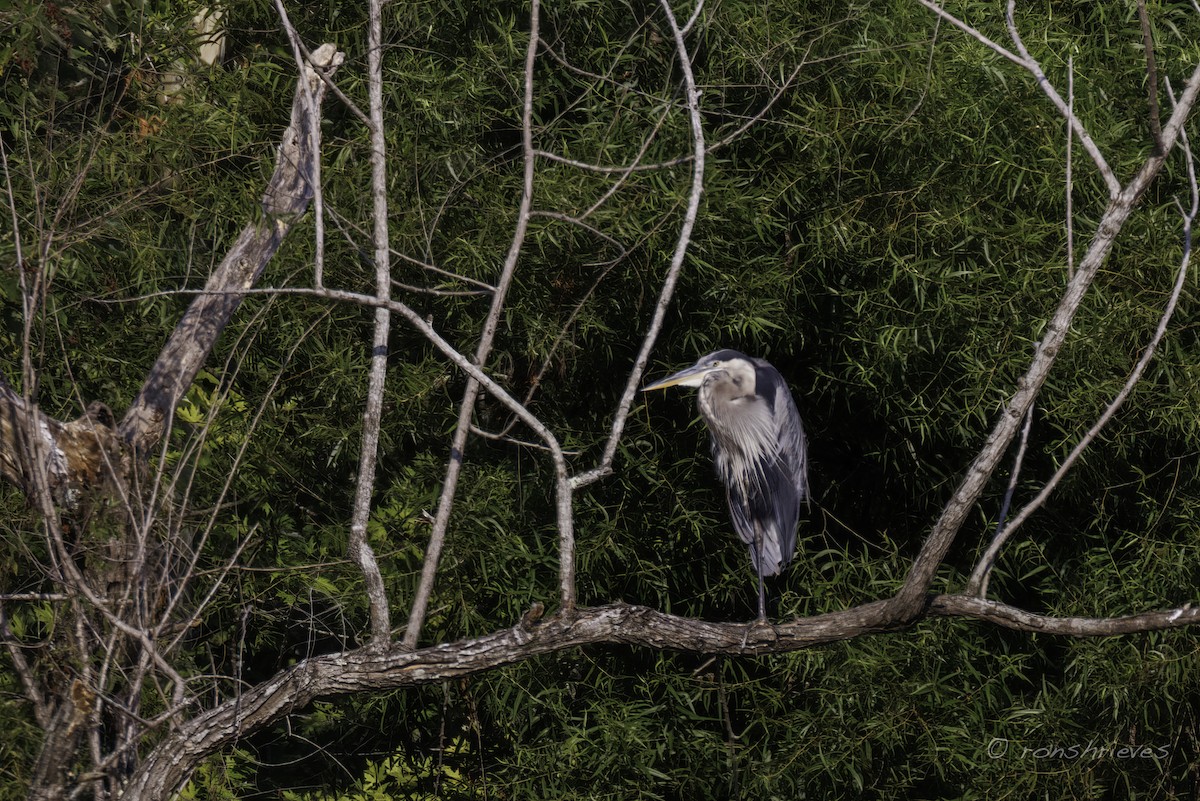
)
(1001, 534)
(372, 670)
(673, 270)
(908, 600)
(978, 582)
(441, 522)
(1085, 139)
(358, 547)
(285, 199)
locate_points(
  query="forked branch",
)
(978, 583)
(908, 601)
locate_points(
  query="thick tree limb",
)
(286, 198)
(372, 670)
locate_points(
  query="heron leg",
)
(756, 557)
(762, 599)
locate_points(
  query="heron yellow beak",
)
(691, 377)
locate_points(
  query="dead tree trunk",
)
(106, 562)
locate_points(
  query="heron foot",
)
(756, 626)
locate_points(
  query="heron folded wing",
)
(771, 509)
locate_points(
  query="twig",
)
(675, 162)
(1151, 76)
(344, 225)
(25, 671)
(977, 585)
(514, 441)
(687, 26)
(1070, 168)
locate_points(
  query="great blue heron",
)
(759, 449)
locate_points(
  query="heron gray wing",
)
(772, 503)
(793, 444)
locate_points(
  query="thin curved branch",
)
(1011, 617)
(717, 145)
(1151, 75)
(687, 26)
(1085, 139)
(980, 576)
(668, 287)
(1026, 62)
(428, 331)
(975, 34)
(345, 226)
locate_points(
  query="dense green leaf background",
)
(890, 235)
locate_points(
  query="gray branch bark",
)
(373, 670)
(285, 200)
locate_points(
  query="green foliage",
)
(890, 234)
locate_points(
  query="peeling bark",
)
(79, 458)
(285, 200)
(86, 454)
(117, 581)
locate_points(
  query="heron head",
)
(736, 366)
